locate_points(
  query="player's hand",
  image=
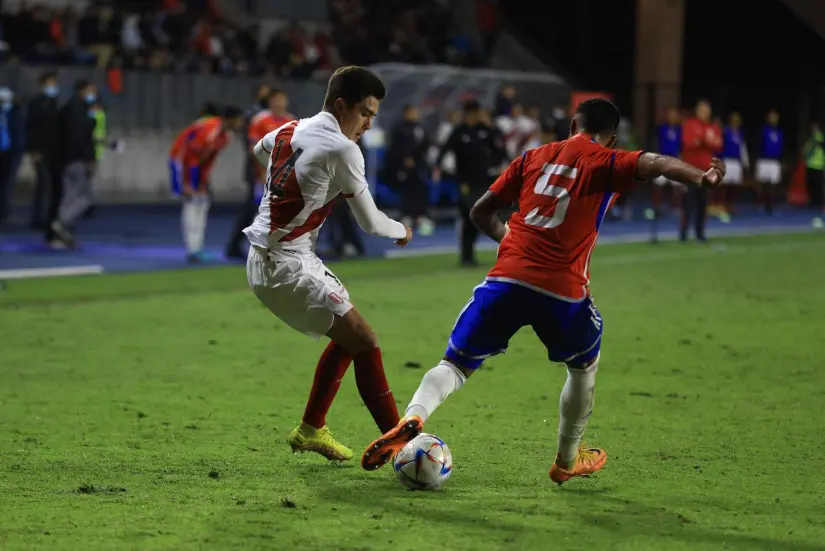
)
(436, 175)
(403, 242)
(714, 176)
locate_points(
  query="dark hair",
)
(232, 112)
(353, 84)
(209, 109)
(81, 84)
(598, 115)
(46, 76)
(472, 106)
(267, 98)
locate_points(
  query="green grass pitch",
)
(150, 411)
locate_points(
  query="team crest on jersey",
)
(336, 298)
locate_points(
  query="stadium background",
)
(631, 50)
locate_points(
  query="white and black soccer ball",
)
(425, 463)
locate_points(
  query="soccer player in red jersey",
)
(541, 277)
(206, 139)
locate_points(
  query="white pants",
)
(733, 174)
(298, 288)
(768, 171)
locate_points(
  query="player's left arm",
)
(652, 165)
(347, 165)
(503, 193)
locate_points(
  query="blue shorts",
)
(176, 177)
(571, 331)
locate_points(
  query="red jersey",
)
(176, 151)
(262, 124)
(207, 139)
(701, 141)
(563, 190)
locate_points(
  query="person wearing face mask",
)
(41, 144)
(76, 147)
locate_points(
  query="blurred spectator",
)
(669, 142)
(479, 152)
(735, 155)
(406, 169)
(12, 147)
(41, 123)
(504, 100)
(487, 21)
(814, 155)
(769, 164)
(447, 166)
(701, 141)
(76, 140)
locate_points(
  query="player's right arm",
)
(503, 193)
(347, 167)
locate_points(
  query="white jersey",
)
(313, 163)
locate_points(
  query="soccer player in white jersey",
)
(310, 164)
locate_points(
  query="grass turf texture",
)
(150, 411)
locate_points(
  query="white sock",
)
(187, 223)
(437, 384)
(575, 407)
(199, 228)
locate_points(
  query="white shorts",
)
(768, 171)
(733, 174)
(298, 288)
(662, 181)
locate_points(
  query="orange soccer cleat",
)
(588, 461)
(381, 451)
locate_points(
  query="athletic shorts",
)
(768, 171)
(571, 331)
(733, 173)
(298, 288)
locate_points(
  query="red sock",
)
(331, 369)
(374, 389)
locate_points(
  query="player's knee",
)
(459, 365)
(353, 333)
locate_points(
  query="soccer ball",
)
(425, 463)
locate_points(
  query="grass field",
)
(150, 411)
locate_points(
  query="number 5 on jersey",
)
(279, 173)
(552, 214)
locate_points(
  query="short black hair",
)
(232, 112)
(353, 84)
(472, 106)
(209, 109)
(46, 76)
(597, 115)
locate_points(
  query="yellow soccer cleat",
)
(305, 438)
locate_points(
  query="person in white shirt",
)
(310, 164)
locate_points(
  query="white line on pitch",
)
(603, 240)
(62, 271)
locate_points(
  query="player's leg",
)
(355, 335)
(483, 329)
(572, 334)
(202, 217)
(295, 295)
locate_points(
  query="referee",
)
(479, 152)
